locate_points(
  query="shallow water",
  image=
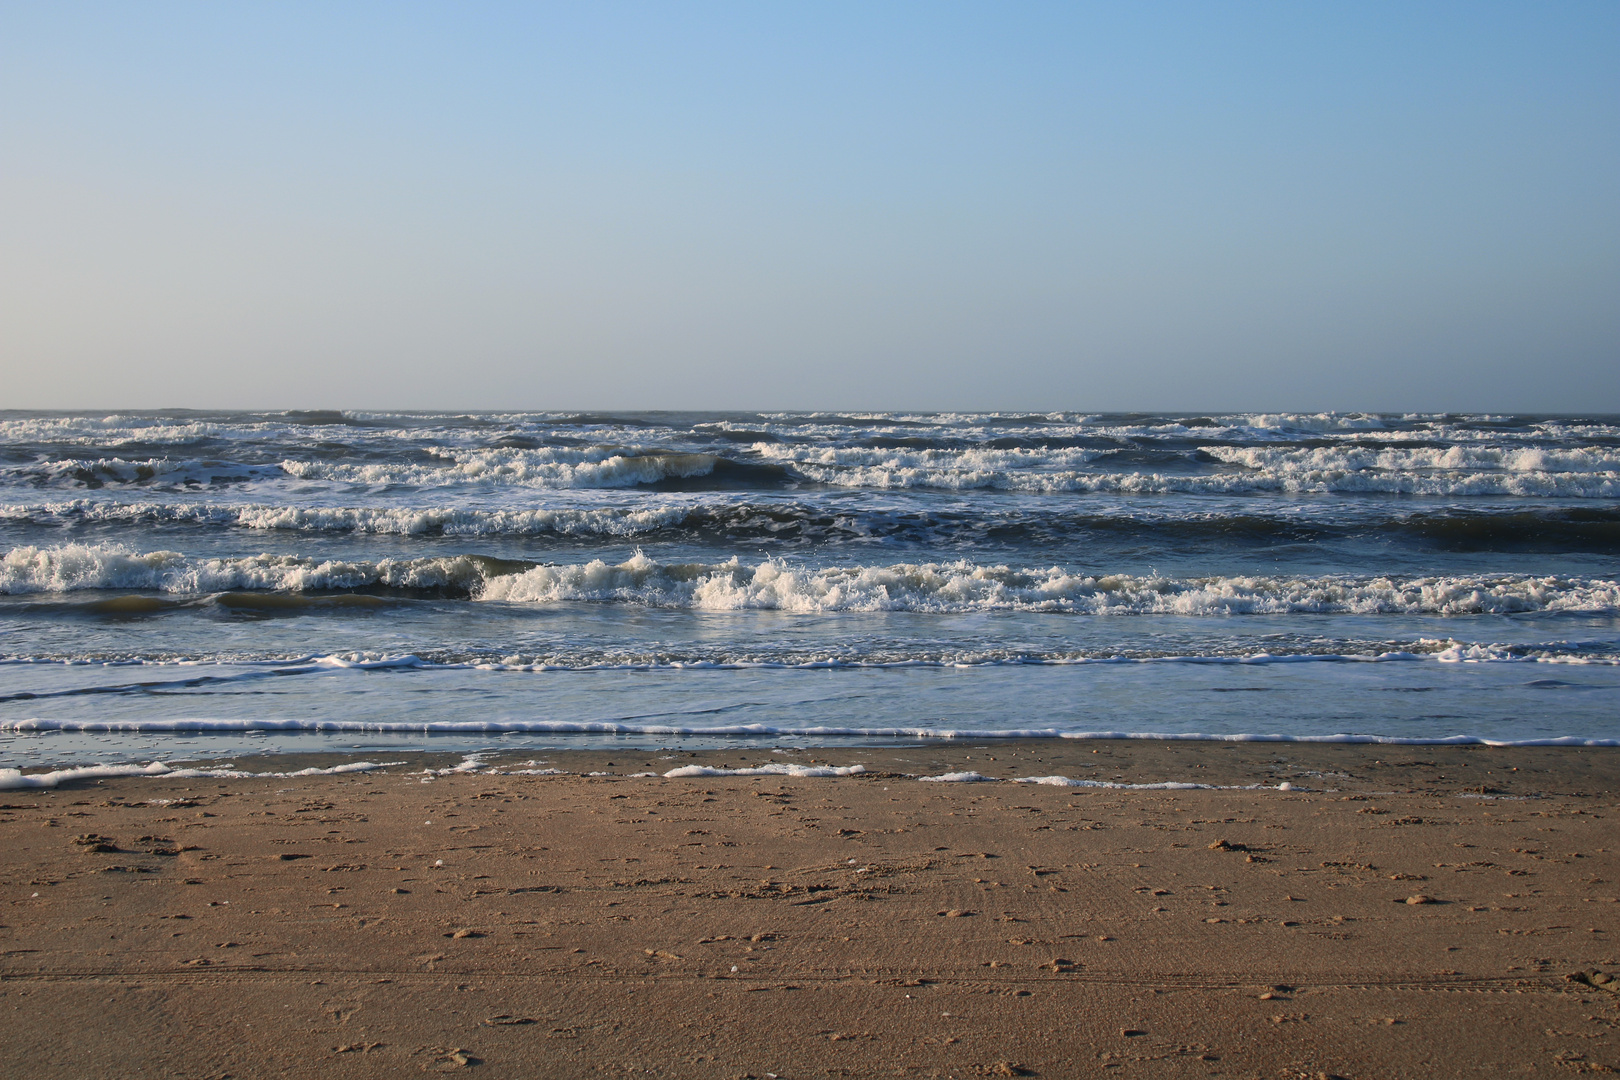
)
(217, 584)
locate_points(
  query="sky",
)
(1160, 206)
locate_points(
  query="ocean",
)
(207, 585)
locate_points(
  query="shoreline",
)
(1470, 769)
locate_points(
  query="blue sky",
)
(1158, 206)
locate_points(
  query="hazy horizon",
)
(606, 413)
(1170, 208)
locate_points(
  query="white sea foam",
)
(1422, 651)
(1456, 458)
(110, 430)
(240, 774)
(1211, 426)
(70, 567)
(15, 779)
(981, 462)
(1278, 479)
(1164, 785)
(773, 769)
(1064, 781)
(469, 763)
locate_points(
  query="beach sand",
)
(389, 923)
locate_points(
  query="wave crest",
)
(77, 567)
(964, 586)
(778, 585)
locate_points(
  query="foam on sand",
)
(1064, 781)
(773, 769)
(16, 779)
(1167, 785)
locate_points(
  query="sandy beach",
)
(1402, 911)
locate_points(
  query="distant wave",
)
(1602, 460)
(552, 467)
(549, 467)
(157, 472)
(190, 428)
(385, 520)
(777, 585)
(1281, 479)
(1234, 454)
(1337, 458)
(1595, 528)
(1044, 473)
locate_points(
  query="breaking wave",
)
(1287, 478)
(71, 568)
(779, 585)
(959, 471)
(1593, 528)
(964, 586)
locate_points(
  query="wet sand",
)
(382, 924)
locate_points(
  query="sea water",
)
(195, 585)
